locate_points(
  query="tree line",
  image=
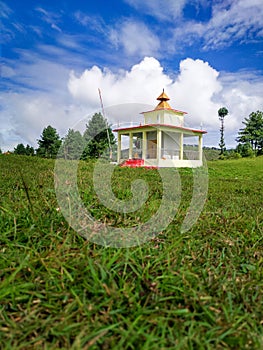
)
(98, 138)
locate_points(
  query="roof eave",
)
(165, 109)
(160, 125)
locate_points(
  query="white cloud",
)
(95, 23)
(135, 38)
(163, 10)
(141, 84)
(7, 24)
(195, 89)
(67, 97)
(198, 89)
(36, 96)
(231, 21)
(5, 10)
(242, 94)
(24, 116)
(49, 17)
(132, 39)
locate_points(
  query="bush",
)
(245, 150)
(233, 154)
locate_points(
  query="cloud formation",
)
(135, 38)
(167, 10)
(69, 97)
(231, 21)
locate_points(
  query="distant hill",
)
(211, 153)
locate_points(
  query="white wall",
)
(173, 119)
(163, 117)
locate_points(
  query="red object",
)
(136, 163)
(133, 163)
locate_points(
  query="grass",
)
(196, 290)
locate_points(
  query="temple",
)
(161, 140)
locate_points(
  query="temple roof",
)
(163, 104)
(163, 97)
(156, 126)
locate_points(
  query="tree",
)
(0, 151)
(252, 133)
(30, 150)
(72, 145)
(245, 150)
(222, 112)
(49, 143)
(98, 137)
(20, 149)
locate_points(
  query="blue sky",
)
(56, 54)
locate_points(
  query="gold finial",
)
(163, 104)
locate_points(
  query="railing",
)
(165, 154)
(128, 124)
(175, 154)
(191, 155)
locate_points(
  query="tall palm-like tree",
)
(222, 112)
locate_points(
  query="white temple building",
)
(161, 140)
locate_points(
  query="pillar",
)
(119, 149)
(200, 147)
(130, 145)
(144, 145)
(181, 146)
(159, 145)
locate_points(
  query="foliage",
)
(245, 150)
(49, 143)
(196, 290)
(252, 133)
(72, 145)
(98, 137)
(222, 112)
(231, 154)
(20, 149)
(0, 151)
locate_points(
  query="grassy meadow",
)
(201, 289)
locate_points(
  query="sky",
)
(55, 55)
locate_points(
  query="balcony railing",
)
(166, 153)
(191, 155)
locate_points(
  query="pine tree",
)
(98, 137)
(49, 143)
(20, 149)
(30, 150)
(253, 132)
(72, 145)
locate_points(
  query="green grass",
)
(198, 290)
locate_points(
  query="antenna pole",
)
(107, 127)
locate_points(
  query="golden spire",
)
(163, 104)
